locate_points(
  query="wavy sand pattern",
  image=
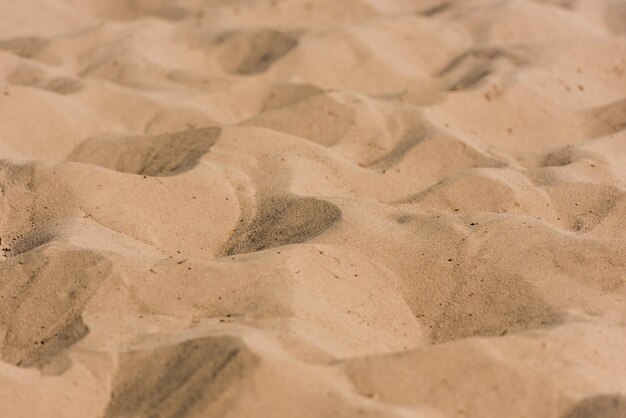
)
(281, 208)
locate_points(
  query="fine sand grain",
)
(298, 208)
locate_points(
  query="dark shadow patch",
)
(471, 67)
(24, 47)
(584, 206)
(473, 56)
(170, 12)
(561, 157)
(606, 120)
(163, 9)
(159, 155)
(30, 241)
(568, 155)
(502, 305)
(470, 79)
(565, 4)
(405, 218)
(322, 119)
(64, 85)
(56, 342)
(253, 52)
(397, 153)
(602, 406)
(284, 220)
(42, 296)
(615, 17)
(179, 380)
(435, 10)
(26, 75)
(287, 94)
(29, 75)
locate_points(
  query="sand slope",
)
(279, 208)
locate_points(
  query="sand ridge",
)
(278, 208)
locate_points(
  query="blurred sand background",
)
(332, 208)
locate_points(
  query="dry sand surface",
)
(333, 208)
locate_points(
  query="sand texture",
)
(313, 209)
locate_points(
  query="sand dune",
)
(278, 208)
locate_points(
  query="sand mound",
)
(481, 374)
(279, 208)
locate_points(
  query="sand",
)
(291, 208)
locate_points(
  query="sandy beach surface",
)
(313, 209)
